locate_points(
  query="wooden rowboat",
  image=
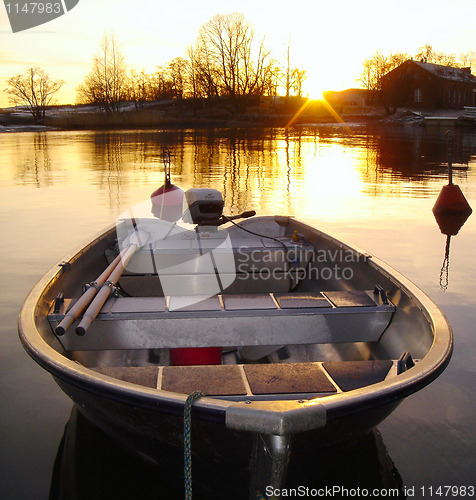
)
(315, 337)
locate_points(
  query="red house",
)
(423, 85)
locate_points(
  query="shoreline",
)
(167, 116)
(174, 115)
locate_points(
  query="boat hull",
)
(144, 430)
(144, 419)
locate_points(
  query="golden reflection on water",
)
(307, 172)
(376, 190)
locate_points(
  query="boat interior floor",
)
(259, 381)
(267, 341)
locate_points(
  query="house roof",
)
(447, 72)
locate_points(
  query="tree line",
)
(226, 60)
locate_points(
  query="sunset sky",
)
(329, 39)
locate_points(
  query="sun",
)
(318, 82)
(314, 88)
(316, 95)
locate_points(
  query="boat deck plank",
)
(219, 380)
(231, 321)
(287, 378)
(264, 380)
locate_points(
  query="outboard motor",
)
(205, 208)
(203, 205)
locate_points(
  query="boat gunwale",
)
(210, 408)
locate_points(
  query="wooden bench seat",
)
(257, 381)
(231, 321)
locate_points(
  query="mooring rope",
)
(187, 441)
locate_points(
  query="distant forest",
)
(226, 60)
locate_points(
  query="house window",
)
(417, 96)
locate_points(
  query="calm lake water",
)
(372, 188)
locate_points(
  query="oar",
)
(80, 305)
(137, 240)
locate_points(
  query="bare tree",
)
(377, 66)
(292, 78)
(161, 85)
(226, 58)
(298, 77)
(428, 55)
(271, 78)
(205, 83)
(191, 80)
(374, 68)
(165, 83)
(397, 58)
(468, 59)
(138, 87)
(178, 70)
(106, 83)
(288, 72)
(33, 89)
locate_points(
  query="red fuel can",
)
(187, 356)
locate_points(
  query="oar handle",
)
(85, 299)
(93, 310)
(104, 293)
(137, 239)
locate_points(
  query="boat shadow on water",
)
(89, 465)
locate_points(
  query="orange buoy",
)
(451, 200)
(167, 200)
